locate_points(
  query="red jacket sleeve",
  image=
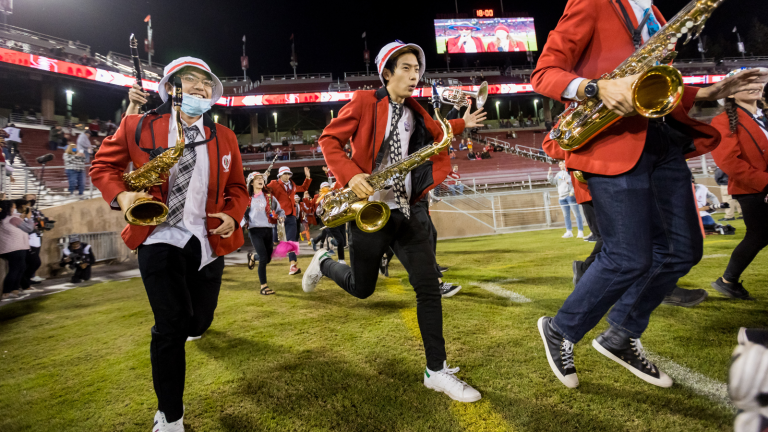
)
(304, 186)
(729, 158)
(552, 149)
(110, 163)
(235, 191)
(564, 47)
(336, 135)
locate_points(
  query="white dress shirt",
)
(405, 126)
(193, 222)
(571, 91)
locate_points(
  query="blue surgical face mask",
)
(193, 106)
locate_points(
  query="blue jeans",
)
(651, 238)
(76, 180)
(569, 204)
(457, 189)
(707, 220)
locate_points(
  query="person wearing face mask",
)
(285, 191)
(465, 42)
(505, 42)
(181, 260)
(743, 155)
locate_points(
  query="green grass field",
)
(79, 360)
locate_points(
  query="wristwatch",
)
(591, 89)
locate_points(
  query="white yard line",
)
(700, 384)
(501, 292)
(714, 256)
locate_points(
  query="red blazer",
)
(286, 199)
(309, 210)
(592, 39)
(364, 121)
(452, 47)
(226, 188)
(739, 157)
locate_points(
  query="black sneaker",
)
(628, 352)
(734, 290)
(755, 335)
(442, 269)
(726, 219)
(590, 238)
(559, 353)
(684, 297)
(579, 268)
(448, 289)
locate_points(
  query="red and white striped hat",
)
(284, 170)
(174, 66)
(392, 48)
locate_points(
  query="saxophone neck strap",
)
(165, 109)
(637, 33)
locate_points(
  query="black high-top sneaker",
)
(628, 352)
(559, 353)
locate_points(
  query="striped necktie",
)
(395, 156)
(186, 166)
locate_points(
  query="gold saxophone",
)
(340, 206)
(146, 211)
(655, 93)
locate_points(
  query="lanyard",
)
(637, 33)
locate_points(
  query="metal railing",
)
(265, 78)
(372, 75)
(266, 158)
(105, 245)
(477, 69)
(55, 184)
(44, 38)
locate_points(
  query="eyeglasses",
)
(193, 80)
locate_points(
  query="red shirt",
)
(453, 176)
(590, 40)
(285, 196)
(742, 155)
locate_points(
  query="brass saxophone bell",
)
(146, 212)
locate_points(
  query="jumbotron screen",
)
(485, 35)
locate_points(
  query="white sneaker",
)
(342, 262)
(568, 234)
(580, 234)
(31, 290)
(313, 274)
(194, 338)
(163, 426)
(37, 279)
(445, 381)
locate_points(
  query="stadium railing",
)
(43, 40)
(309, 76)
(105, 244)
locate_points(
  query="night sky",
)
(327, 33)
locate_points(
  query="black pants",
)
(17, 263)
(589, 214)
(261, 238)
(291, 233)
(413, 246)
(33, 263)
(82, 274)
(183, 300)
(755, 211)
(429, 226)
(339, 233)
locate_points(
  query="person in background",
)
(12, 142)
(465, 42)
(469, 144)
(84, 144)
(472, 156)
(485, 154)
(505, 42)
(14, 244)
(56, 138)
(25, 207)
(452, 154)
(743, 156)
(94, 125)
(309, 209)
(567, 200)
(721, 179)
(259, 220)
(454, 183)
(705, 201)
(463, 145)
(74, 166)
(111, 127)
(285, 189)
(78, 256)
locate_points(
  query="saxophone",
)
(340, 206)
(146, 211)
(655, 93)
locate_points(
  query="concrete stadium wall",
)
(93, 215)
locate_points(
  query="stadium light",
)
(69, 103)
(275, 115)
(497, 110)
(215, 118)
(536, 108)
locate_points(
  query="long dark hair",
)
(5, 208)
(731, 109)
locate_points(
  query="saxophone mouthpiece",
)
(177, 95)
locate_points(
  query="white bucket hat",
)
(174, 66)
(284, 170)
(325, 185)
(392, 48)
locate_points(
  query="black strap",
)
(637, 33)
(157, 151)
